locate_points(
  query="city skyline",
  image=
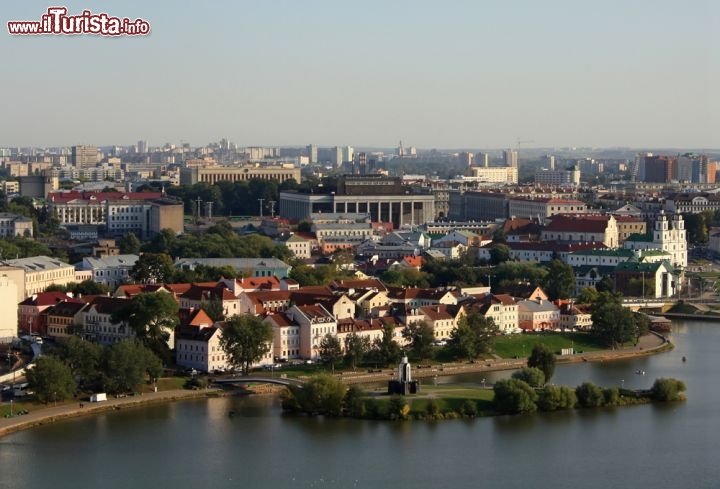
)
(463, 75)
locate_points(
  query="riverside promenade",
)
(648, 345)
(50, 413)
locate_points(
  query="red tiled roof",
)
(587, 223)
(106, 305)
(45, 299)
(204, 292)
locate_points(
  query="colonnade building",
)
(384, 199)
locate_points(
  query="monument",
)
(404, 384)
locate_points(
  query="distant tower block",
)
(362, 162)
(404, 384)
(483, 159)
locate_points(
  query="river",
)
(195, 444)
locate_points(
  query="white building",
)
(111, 270)
(668, 235)
(8, 304)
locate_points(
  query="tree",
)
(605, 284)
(152, 268)
(152, 317)
(398, 407)
(587, 295)
(127, 364)
(356, 347)
(321, 394)
(552, 398)
(420, 335)
(245, 339)
(129, 244)
(532, 376)
(354, 402)
(330, 350)
(668, 390)
(513, 396)
(83, 357)
(499, 253)
(473, 336)
(559, 283)
(385, 349)
(544, 359)
(613, 324)
(214, 309)
(589, 395)
(51, 379)
(88, 287)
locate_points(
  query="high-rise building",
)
(348, 154)
(142, 146)
(549, 162)
(466, 159)
(659, 168)
(338, 157)
(483, 159)
(312, 151)
(84, 156)
(511, 158)
(362, 163)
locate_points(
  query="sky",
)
(450, 74)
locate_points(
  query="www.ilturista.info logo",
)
(56, 21)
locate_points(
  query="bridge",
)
(287, 382)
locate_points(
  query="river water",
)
(195, 444)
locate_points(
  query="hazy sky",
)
(445, 74)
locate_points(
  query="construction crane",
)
(521, 142)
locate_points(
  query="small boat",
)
(684, 359)
(640, 372)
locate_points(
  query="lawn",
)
(447, 397)
(521, 345)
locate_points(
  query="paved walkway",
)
(42, 415)
(647, 345)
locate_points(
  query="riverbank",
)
(647, 345)
(50, 414)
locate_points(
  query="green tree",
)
(245, 339)
(354, 402)
(613, 324)
(513, 396)
(214, 309)
(499, 253)
(129, 244)
(589, 395)
(152, 268)
(559, 283)
(356, 347)
(83, 357)
(385, 349)
(51, 379)
(668, 390)
(88, 287)
(151, 317)
(420, 336)
(330, 351)
(398, 407)
(544, 359)
(321, 394)
(552, 398)
(587, 295)
(127, 364)
(473, 336)
(532, 376)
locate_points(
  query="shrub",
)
(533, 376)
(469, 408)
(398, 407)
(514, 396)
(552, 398)
(589, 395)
(668, 390)
(432, 408)
(611, 396)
